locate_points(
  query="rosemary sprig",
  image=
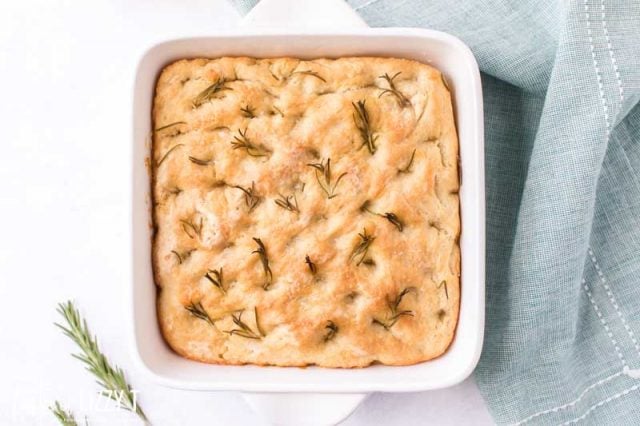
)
(362, 248)
(216, 278)
(331, 330)
(65, 417)
(392, 90)
(242, 142)
(251, 198)
(443, 283)
(394, 310)
(243, 329)
(362, 121)
(198, 311)
(312, 266)
(285, 203)
(191, 229)
(208, 93)
(262, 252)
(248, 112)
(391, 217)
(164, 157)
(311, 73)
(407, 168)
(323, 176)
(111, 379)
(159, 129)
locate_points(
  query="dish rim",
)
(278, 386)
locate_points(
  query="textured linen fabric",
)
(561, 85)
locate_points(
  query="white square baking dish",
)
(441, 50)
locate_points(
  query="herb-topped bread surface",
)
(306, 212)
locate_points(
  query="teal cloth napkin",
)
(561, 85)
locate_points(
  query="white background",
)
(66, 72)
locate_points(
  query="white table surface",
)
(66, 70)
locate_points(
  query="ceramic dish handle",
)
(303, 409)
(303, 14)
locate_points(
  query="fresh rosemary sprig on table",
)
(312, 266)
(323, 176)
(391, 217)
(242, 142)
(394, 310)
(191, 229)
(443, 283)
(243, 329)
(63, 416)
(167, 126)
(311, 73)
(198, 311)
(251, 198)
(285, 203)
(331, 330)
(111, 379)
(215, 277)
(362, 248)
(248, 112)
(402, 99)
(362, 121)
(164, 157)
(208, 93)
(262, 252)
(407, 168)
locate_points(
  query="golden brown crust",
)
(233, 168)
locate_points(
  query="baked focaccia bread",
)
(305, 212)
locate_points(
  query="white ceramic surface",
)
(441, 50)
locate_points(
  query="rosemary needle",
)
(164, 157)
(407, 168)
(264, 259)
(159, 129)
(65, 417)
(443, 283)
(312, 266)
(331, 330)
(110, 378)
(390, 216)
(311, 73)
(363, 124)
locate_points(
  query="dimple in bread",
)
(306, 212)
